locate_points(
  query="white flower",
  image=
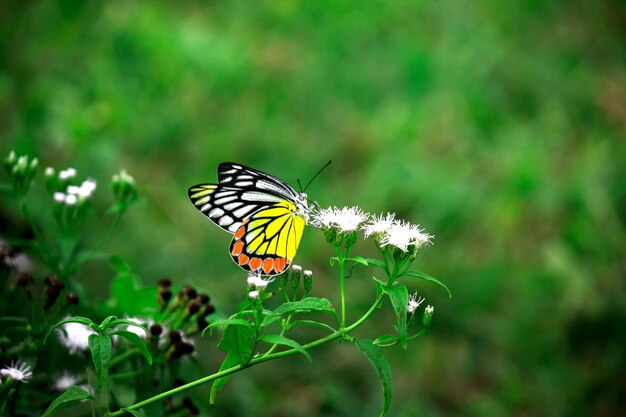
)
(49, 172)
(71, 199)
(429, 310)
(75, 336)
(87, 188)
(253, 294)
(59, 197)
(414, 303)
(402, 234)
(257, 281)
(346, 219)
(65, 381)
(84, 190)
(72, 189)
(308, 273)
(379, 224)
(296, 268)
(19, 371)
(67, 174)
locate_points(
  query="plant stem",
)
(336, 335)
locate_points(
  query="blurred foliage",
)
(498, 126)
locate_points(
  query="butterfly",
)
(265, 215)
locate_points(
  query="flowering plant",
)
(133, 342)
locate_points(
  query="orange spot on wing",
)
(237, 248)
(255, 263)
(279, 264)
(268, 265)
(240, 232)
(243, 259)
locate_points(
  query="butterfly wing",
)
(228, 207)
(230, 174)
(267, 241)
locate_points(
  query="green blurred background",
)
(498, 126)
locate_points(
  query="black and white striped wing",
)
(228, 207)
(230, 174)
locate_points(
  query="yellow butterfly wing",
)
(267, 241)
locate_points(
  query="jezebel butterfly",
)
(265, 215)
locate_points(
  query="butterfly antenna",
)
(314, 176)
(300, 185)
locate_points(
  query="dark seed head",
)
(193, 307)
(209, 309)
(204, 298)
(72, 298)
(165, 295)
(24, 279)
(175, 337)
(164, 282)
(156, 330)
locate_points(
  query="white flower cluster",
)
(256, 280)
(387, 228)
(346, 219)
(73, 193)
(75, 336)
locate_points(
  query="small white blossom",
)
(49, 172)
(379, 224)
(59, 197)
(257, 281)
(346, 219)
(71, 199)
(75, 336)
(414, 303)
(253, 294)
(308, 273)
(67, 174)
(296, 268)
(19, 371)
(429, 310)
(72, 189)
(87, 188)
(402, 234)
(65, 381)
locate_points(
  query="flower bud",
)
(204, 298)
(156, 330)
(296, 271)
(9, 161)
(208, 310)
(428, 315)
(164, 282)
(308, 280)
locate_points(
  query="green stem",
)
(336, 335)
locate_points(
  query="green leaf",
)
(427, 277)
(134, 412)
(229, 322)
(376, 262)
(117, 322)
(236, 342)
(70, 395)
(399, 296)
(312, 323)
(137, 341)
(270, 319)
(106, 321)
(377, 358)
(386, 340)
(358, 260)
(282, 340)
(129, 296)
(75, 319)
(306, 305)
(100, 346)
